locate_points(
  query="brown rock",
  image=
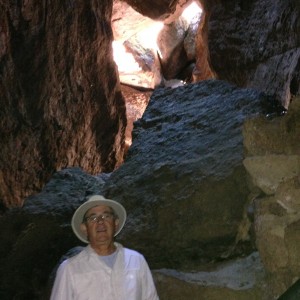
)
(61, 103)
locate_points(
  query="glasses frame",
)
(105, 217)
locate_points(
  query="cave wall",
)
(251, 44)
(60, 97)
(256, 44)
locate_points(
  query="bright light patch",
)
(191, 11)
(148, 36)
(124, 60)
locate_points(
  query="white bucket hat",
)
(93, 201)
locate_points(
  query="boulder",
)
(183, 182)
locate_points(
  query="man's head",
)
(97, 219)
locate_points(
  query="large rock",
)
(256, 44)
(61, 103)
(185, 192)
(272, 149)
(183, 182)
(242, 279)
(34, 238)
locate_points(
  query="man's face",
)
(100, 225)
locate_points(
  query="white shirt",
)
(86, 277)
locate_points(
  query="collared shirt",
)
(86, 277)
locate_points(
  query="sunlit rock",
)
(272, 161)
(135, 48)
(269, 171)
(148, 51)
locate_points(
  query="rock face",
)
(61, 103)
(59, 89)
(273, 164)
(253, 44)
(186, 191)
(241, 279)
(183, 185)
(33, 238)
(190, 194)
(183, 181)
(256, 44)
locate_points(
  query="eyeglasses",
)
(96, 219)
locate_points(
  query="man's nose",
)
(100, 219)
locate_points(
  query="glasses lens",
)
(103, 217)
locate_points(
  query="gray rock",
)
(183, 182)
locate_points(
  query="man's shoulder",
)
(131, 252)
(77, 257)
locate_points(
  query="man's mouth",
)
(101, 229)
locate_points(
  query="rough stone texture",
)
(176, 44)
(252, 44)
(183, 184)
(34, 238)
(59, 110)
(268, 171)
(136, 103)
(58, 107)
(157, 9)
(151, 52)
(276, 207)
(263, 136)
(183, 181)
(43, 126)
(203, 69)
(134, 39)
(186, 203)
(256, 44)
(242, 279)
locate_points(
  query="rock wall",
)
(183, 181)
(256, 44)
(60, 93)
(61, 103)
(273, 164)
(251, 44)
(198, 208)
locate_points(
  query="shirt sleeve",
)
(148, 290)
(63, 284)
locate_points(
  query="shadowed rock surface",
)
(59, 90)
(183, 181)
(58, 108)
(62, 106)
(194, 227)
(256, 44)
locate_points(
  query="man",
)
(104, 270)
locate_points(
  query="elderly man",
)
(104, 269)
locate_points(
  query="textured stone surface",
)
(273, 165)
(264, 136)
(34, 237)
(57, 109)
(270, 170)
(61, 103)
(170, 205)
(237, 279)
(60, 110)
(256, 44)
(157, 9)
(183, 181)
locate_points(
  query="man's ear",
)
(83, 229)
(117, 223)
